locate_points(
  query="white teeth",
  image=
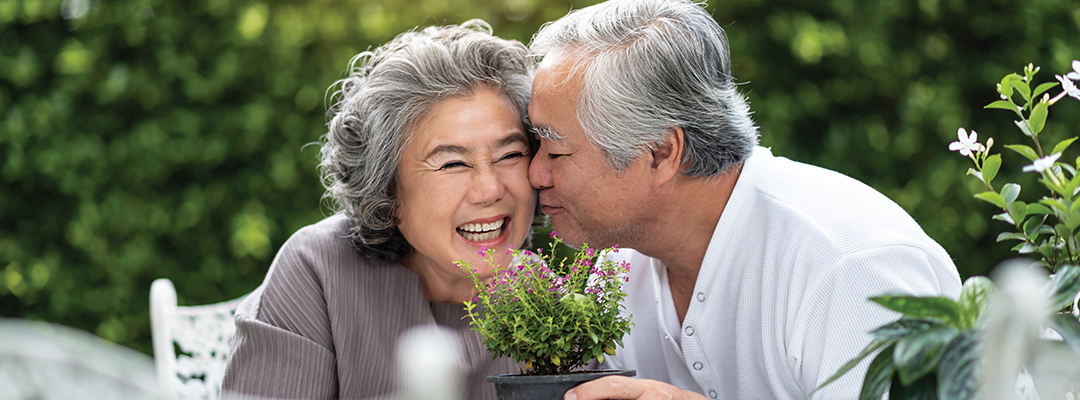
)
(476, 228)
(481, 232)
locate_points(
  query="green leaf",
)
(1042, 88)
(866, 351)
(977, 174)
(1023, 128)
(990, 167)
(1031, 226)
(1009, 192)
(940, 308)
(1072, 221)
(1004, 87)
(902, 327)
(1064, 285)
(922, 389)
(878, 375)
(1056, 205)
(1018, 210)
(958, 371)
(1002, 104)
(1011, 236)
(992, 198)
(1022, 87)
(1064, 144)
(1069, 328)
(919, 353)
(1003, 217)
(975, 298)
(1036, 208)
(1023, 150)
(1038, 117)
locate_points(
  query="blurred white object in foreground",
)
(40, 360)
(1018, 357)
(429, 363)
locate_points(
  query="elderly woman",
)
(426, 160)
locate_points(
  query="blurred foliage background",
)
(146, 138)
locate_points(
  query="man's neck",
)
(684, 226)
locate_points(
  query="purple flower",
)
(483, 251)
(553, 233)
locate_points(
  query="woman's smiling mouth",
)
(482, 232)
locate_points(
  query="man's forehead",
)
(559, 71)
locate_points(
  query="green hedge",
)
(146, 139)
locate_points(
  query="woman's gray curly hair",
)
(387, 92)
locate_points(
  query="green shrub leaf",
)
(1009, 192)
(1038, 117)
(957, 374)
(1069, 328)
(1064, 285)
(1043, 88)
(1002, 104)
(1025, 151)
(1036, 208)
(1064, 144)
(990, 168)
(866, 351)
(878, 375)
(975, 298)
(940, 308)
(1011, 236)
(919, 353)
(992, 198)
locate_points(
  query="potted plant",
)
(933, 350)
(550, 315)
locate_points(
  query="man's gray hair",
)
(387, 92)
(649, 66)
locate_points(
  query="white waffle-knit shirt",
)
(781, 302)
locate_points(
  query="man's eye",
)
(452, 164)
(557, 155)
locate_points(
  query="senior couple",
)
(622, 122)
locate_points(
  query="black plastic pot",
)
(546, 387)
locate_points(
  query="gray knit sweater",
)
(324, 323)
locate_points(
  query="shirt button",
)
(657, 300)
(700, 296)
(689, 331)
(698, 366)
(712, 393)
(666, 337)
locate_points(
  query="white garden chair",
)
(191, 343)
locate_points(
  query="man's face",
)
(587, 201)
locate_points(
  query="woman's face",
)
(463, 185)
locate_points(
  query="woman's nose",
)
(487, 187)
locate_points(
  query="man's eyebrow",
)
(546, 132)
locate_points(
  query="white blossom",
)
(1068, 86)
(1075, 73)
(966, 144)
(1043, 164)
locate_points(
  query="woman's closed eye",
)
(512, 156)
(452, 165)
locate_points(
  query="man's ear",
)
(667, 156)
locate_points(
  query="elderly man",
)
(750, 272)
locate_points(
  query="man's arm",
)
(625, 388)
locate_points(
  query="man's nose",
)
(540, 170)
